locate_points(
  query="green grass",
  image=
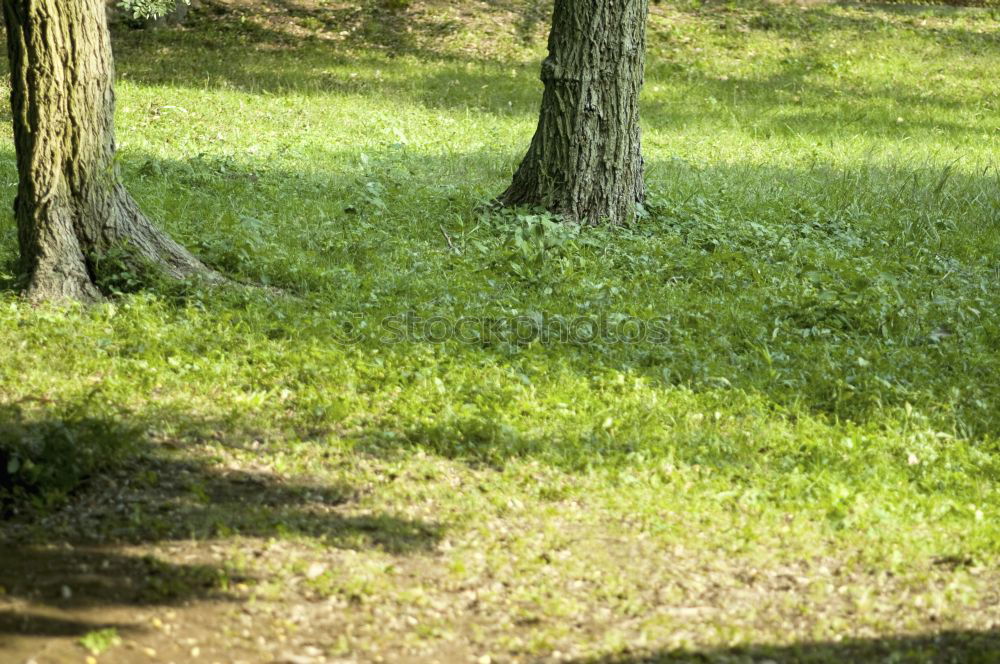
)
(820, 255)
(100, 640)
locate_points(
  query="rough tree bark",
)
(71, 204)
(585, 161)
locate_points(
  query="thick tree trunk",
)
(71, 205)
(585, 161)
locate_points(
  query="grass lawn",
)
(759, 425)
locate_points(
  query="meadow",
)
(769, 434)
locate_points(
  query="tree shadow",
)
(946, 647)
(810, 90)
(75, 551)
(278, 61)
(158, 500)
(46, 626)
(482, 86)
(389, 27)
(533, 17)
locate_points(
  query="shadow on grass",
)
(44, 626)
(948, 647)
(261, 60)
(74, 551)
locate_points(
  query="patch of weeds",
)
(538, 248)
(120, 270)
(45, 455)
(100, 640)
(163, 582)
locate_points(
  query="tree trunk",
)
(585, 161)
(71, 205)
